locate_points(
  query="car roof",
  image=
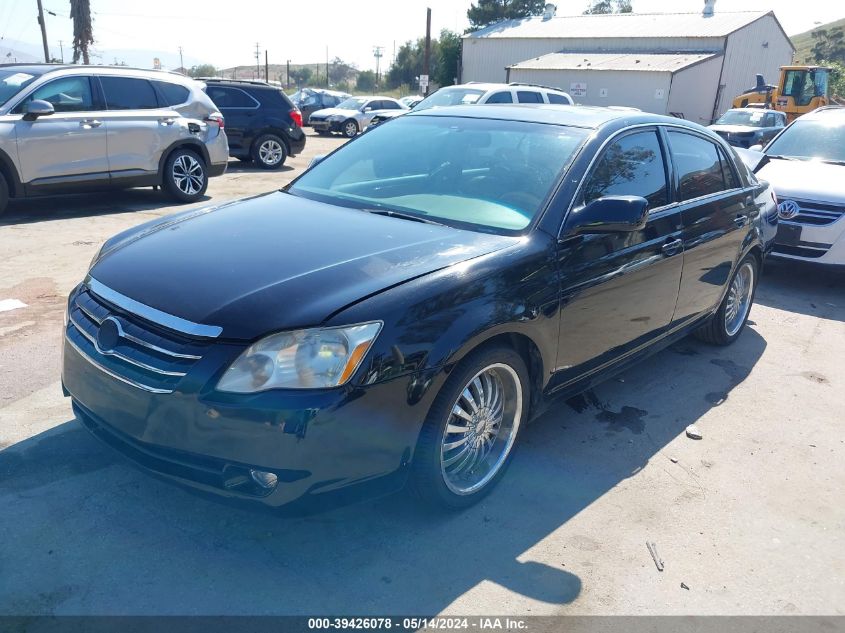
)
(486, 87)
(149, 73)
(33, 69)
(591, 117)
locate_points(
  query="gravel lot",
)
(750, 518)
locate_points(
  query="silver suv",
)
(80, 128)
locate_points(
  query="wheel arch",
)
(194, 145)
(10, 174)
(275, 131)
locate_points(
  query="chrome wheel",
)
(739, 299)
(481, 429)
(271, 152)
(188, 174)
(350, 129)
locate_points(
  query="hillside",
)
(339, 73)
(803, 42)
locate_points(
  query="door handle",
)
(741, 220)
(167, 121)
(672, 247)
(90, 123)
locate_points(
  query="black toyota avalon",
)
(397, 314)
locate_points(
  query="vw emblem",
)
(108, 336)
(788, 209)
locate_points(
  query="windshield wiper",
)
(404, 216)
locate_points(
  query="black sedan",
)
(399, 312)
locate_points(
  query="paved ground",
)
(750, 518)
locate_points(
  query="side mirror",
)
(368, 109)
(611, 214)
(37, 108)
(316, 160)
(757, 148)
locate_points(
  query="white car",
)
(806, 166)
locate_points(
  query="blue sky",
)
(225, 32)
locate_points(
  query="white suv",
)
(484, 94)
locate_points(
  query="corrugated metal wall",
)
(693, 91)
(745, 56)
(485, 59)
(648, 91)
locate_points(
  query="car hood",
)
(733, 129)
(805, 180)
(277, 261)
(327, 112)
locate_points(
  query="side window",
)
(230, 97)
(727, 171)
(127, 93)
(781, 120)
(390, 105)
(529, 96)
(173, 94)
(631, 166)
(69, 94)
(699, 165)
(500, 97)
(556, 98)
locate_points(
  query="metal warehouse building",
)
(686, 64)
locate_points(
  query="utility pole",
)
(257, 60)
(327, 66)
(427, 60)
(287, 76)
(43, 32)
(181, 63)
(62, 48)
(266, 67)
(377, 53)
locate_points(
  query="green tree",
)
(484, 12)
(409, 63)
(829, 45)
(203, 70)
(83, 30)
(366, 81)
(598, 7)
(301, 76)
(448, 55)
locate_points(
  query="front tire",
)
(726, 325)
(185, 176)
(350, 128)
(468, 437)
(269, 151)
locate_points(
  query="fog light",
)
(264, 479)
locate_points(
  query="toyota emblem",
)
(788, 209)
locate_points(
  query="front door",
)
(717, 214)
(618, 290)
(68, 146)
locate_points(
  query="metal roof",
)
(627, 25)
(654, 62)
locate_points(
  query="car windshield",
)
(742, 117)
(12, 82)
(450, 96)
(353, 103)
(807, 139)
(481, 174)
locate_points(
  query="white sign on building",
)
(578, 89)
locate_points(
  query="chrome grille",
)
(817, 213)
(145, 355)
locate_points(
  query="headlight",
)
(302, 359)
(336, 117)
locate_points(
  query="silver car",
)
(744, 127)
(80, 128)
(806, 166)
(352, 116)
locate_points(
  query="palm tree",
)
(83, 35)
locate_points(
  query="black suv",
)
(261, 122)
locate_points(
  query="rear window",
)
(173, 94)
(127, 93)
(500, 97)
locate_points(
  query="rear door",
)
(239, 110)
(618, 290)
(139, 127)
(529, 96)
(717, 214)
(68, 146)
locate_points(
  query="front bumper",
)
(326, 447)
(325, 125)
(820, 244)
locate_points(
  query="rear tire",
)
(467, 440)
(727, 324)
(4, 194)
(185, 176)
(269, 151)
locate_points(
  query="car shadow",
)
(88, 533)
(80, 205)
(241, 167)
(803, 288)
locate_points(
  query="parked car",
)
(82, 128)
(353, 115)
(744, 127)
(411, 100)
(401, 310)
(262, 124)
(309, 100)
(482, 94)
(806, 166)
